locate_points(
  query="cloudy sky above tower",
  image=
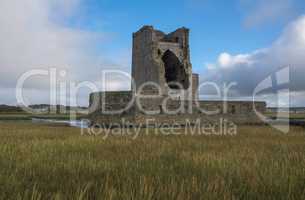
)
(240, 41)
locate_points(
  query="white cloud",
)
(34, 35)
(226, 60)
(249, 69)
(29, 39)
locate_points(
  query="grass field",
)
(291, 115)
(10, 116)
(25, 116)
(45, 162)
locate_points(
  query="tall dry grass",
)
(44, 162)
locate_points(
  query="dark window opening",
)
(175, 73)
(159, 52)
(219, 110)
(233, 110)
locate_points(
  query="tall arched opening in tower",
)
(175, 72)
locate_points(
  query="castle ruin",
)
(164, 88)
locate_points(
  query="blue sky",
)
(216, 26)
(241, 41)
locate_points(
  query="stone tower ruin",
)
(164, 59)
(162, 70)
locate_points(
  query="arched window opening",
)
(233, 109)
(175, 73)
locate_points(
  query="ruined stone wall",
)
(195, 85)
(110, 101)
(166, 110)
(233, 107)
(173, 107)
(158, 104)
